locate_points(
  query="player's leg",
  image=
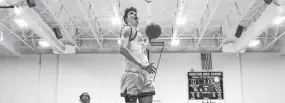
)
(148, 91)
(131, 86)
(145, 99)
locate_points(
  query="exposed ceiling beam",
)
(95, 17)
(239, 20)
(178, 15)
(198, 24)
(87, 19)
(161, 38)
(271, 43)
(17, 36)
(37, 25)
(256, 28)
(116, 10)
(179, 38)
(8, 46)
(207, 24)
(61, 26)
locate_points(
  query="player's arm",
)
(124, 41)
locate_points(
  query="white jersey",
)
(138, 48)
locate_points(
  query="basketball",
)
(153, 31)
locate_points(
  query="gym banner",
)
(205, 87)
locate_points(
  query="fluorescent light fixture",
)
(1, 36)
(119, 41)
(279, 20)
(254, 43)
(174, 42)
(181, 20)
(44, 43)
(116, 21)
(21, 22)
(242, 51)
(55, 52)
(17, 10)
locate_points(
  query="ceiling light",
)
(279, 20)
(181, 20)
(21, 22)
(174, 42)
(116, 21)
(254, 43)
(55, 52)
(119, 41)
(242, 51)
(1, 36)
(17, 10)
(44, 43)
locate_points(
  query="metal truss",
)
(233, 26)
(207, 24)
(185, 33)
(268, 35)
(193, 34)
(88, 20)
(179, 13)
(56, 18)
(17, 36)
(276, 38)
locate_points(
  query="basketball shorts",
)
(135, 84)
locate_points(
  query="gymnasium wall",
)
(61, 79)
(263, 78)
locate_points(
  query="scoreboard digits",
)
(205, 85)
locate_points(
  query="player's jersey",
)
(138, 47)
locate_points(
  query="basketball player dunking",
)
(137, 79)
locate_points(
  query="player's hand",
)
(149, 68)
(147, 45)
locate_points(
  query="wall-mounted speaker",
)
(31, 3)
(239, 31)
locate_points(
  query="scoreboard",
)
(205, 87)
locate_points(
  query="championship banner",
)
(205, 87)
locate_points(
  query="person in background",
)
(84, 98)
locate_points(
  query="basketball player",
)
(136, 81)
(84, 98)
